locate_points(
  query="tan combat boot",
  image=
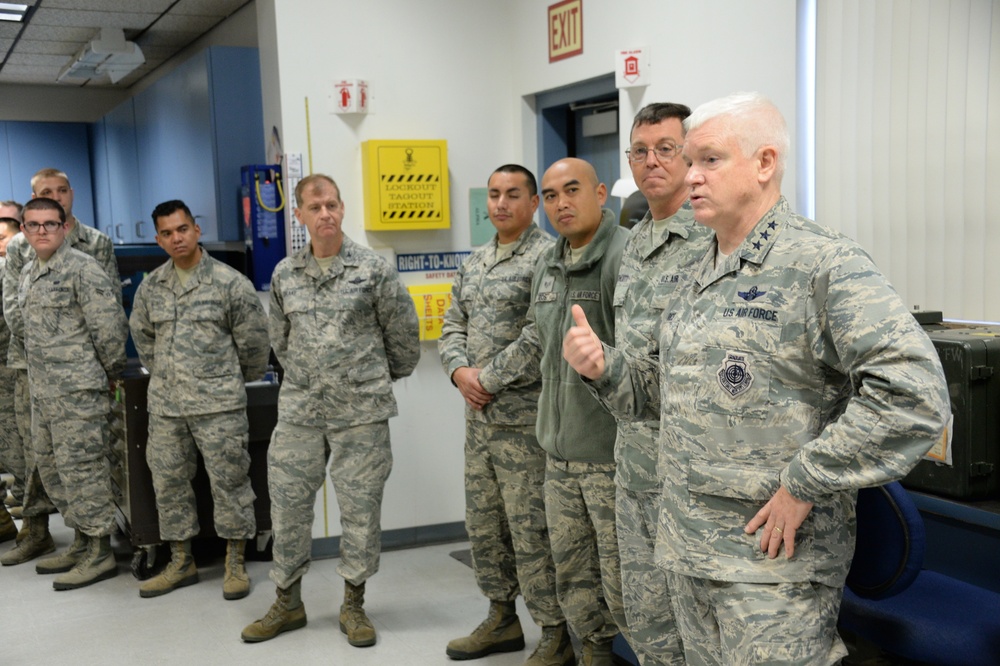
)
(353, 621)
(97, 564)
(596, 654)
(8, 530)
(287, 613)
(65, 560)
(554, 648)
(236, 583)
(499, 632)
(36, 542)
(179, 572)
(22, 533)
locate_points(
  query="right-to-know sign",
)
(406, 184)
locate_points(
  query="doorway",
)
(581, 120)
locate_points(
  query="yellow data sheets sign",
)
(431, 302)
(406, 185)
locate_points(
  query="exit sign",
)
(565, 29)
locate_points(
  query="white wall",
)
(698, 51)
(436, 72)
(466, 71)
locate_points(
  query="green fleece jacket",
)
(572, 424)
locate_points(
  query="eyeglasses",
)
(664, 153)
(33, 227)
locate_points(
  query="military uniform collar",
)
(79, 234)
(348, 256)
(73, 236)
(54, 261)
(594, 250)
(760, 240)
(200, 274)
(678, 224)
(753, 249)
(520, 245)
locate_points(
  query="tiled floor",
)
(419, 600)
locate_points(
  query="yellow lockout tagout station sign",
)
(406, 185)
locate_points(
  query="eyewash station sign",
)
(406, 185)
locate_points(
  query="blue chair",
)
(622, 653)
(906, 611)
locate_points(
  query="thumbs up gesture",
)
(582, 349)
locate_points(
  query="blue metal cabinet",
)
(30, 146)
(115, 167)
(195, 127)
(101, 178)
(130, 222)
(6, 187)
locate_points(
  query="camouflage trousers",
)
(35, 500)
(172, 455)
(360, 460)
(737, 624)
(505, 518)
(653, 633)
(71, 441)
(11, 444)
(580, 508)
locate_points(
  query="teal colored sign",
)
(481, 230)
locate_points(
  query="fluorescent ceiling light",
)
(106, 55)
(10, 11)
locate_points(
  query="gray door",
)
(561, 115)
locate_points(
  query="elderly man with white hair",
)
(789, 375)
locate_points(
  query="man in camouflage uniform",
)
(35, 539)
(791, 375)
(201, 332)
(344, 328)
(577, 434)
(504, 465)
(654, 263)
(11, 446)
(74, 333)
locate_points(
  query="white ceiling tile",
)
(190, 23)
(121, 6)
(218, 8)
(46, 47)
(57, 29)
(82, 19)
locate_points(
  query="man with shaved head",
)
(577, 434)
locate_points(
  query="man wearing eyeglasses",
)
(35, 539)
(73, 329)
(655, 262)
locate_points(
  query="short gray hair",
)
(753, 118)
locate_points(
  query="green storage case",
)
(970, 356)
